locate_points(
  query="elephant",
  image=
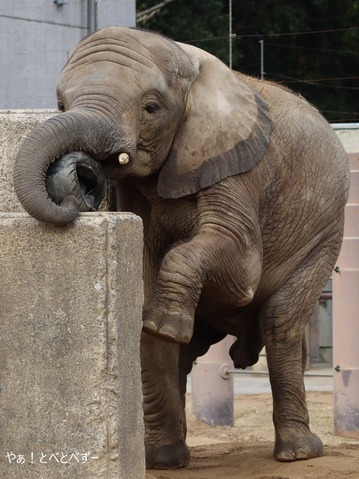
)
(241, 185)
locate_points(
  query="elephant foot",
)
(174, 327)
(297, 444)
(172, 456)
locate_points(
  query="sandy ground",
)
(245, 451)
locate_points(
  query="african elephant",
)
(241, 186)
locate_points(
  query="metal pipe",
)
(327, 295)
(266, 373)
(91, 16)
(345, 126)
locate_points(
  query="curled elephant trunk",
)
(55, 194)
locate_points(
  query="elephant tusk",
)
(123, 158)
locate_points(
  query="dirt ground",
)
(245, 451)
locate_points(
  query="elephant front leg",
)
(170, 314)
(230, 265)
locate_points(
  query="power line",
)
(46, 22)
(313, 32)
(311, 48)
(314, 81)
(263, 35)
(329, 79)
(34, 52)
(35, 6)
(342, 112)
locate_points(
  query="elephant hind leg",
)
(283, 321)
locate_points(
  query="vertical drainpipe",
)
(346, 319)
(91, 16)
(212, 386)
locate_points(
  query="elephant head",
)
(144, 105)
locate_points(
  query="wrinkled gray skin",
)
(241, 186)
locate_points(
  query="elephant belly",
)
(225, 317)
(242, 323)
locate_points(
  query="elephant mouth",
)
(79, 176)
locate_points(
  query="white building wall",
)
(36, 39)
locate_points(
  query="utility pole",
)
(230, 34)
(261, 42)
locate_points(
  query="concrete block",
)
(70, 386)
(15, 125)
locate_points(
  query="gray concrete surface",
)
(71, 299)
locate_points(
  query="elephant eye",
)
(152, 107)
(60, 106)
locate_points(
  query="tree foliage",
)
(310, 46)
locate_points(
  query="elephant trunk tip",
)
(72, 206)
(58, 215)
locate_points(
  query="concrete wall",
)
(349, 136)
(71, 302)
(346, 306)
(36, 39)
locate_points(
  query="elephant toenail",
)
(285, 457)
(302, 454)
(169, 331)
(150, 325)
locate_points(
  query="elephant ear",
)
(224, 131)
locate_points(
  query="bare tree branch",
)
(145, 15)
